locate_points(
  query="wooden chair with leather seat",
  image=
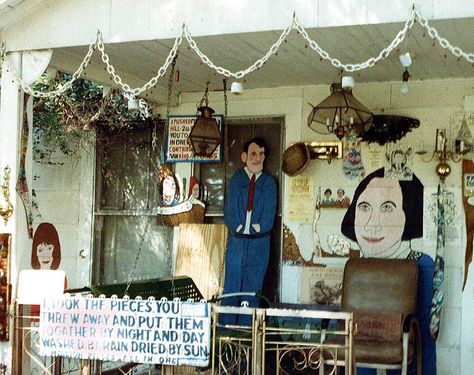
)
(381, 294)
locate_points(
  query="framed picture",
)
(469, 181)
(440, 140)
(177, 148)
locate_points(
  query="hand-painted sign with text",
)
(143, 331)
(177, 147)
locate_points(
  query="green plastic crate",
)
(182, 287)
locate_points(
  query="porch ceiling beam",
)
(59, 23)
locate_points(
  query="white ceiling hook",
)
(236, 88)
(405, 59)
(347, 82)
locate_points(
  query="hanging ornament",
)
(22, 184)
(352, 162)
(438, 276)
(6, 206)
(463, 144)
(399, 160)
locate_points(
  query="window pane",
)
(127, 192)
(212, 177)
(128, 169)
(120, 238)
(110, 178)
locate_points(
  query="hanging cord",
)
(204, 100)
(226, 144)
(140, 247)
(166, 126)
(226, 162)
(168, 104)
(2, 56)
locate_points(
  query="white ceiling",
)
(295, 64)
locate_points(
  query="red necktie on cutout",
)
(251, 190)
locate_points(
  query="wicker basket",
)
(191, 211)
(295, 159)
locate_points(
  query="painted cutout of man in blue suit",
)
(249, 220)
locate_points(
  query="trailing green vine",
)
(60, 123)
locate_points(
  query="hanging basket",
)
(190, 211)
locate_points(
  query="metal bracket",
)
(325, 150)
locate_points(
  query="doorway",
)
(215, 179)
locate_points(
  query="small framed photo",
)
(441, 140)
(469, 181)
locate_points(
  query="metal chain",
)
(359, 66)
(61, 88)
(456, 51)
(148, 85)
(170, 85)
(154, 137)
(226, 145)
(241, 73)
(226, 162)
(370, 62)
(205, 98)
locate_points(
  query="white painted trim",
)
(59, 23)
(86, 214)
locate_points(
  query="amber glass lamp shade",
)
(205, 136)
(340, 113)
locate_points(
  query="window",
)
(128, 242)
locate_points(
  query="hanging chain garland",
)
(348, 67)
(443, 42)
(369, 62)
(148, 85)
(62, 88)
(241, 73)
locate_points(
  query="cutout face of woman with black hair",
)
(379, 218)
(46, 251)
(383, 213)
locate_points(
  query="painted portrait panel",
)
(385, 216)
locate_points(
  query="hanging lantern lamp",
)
(205, 135)
(340, 113)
